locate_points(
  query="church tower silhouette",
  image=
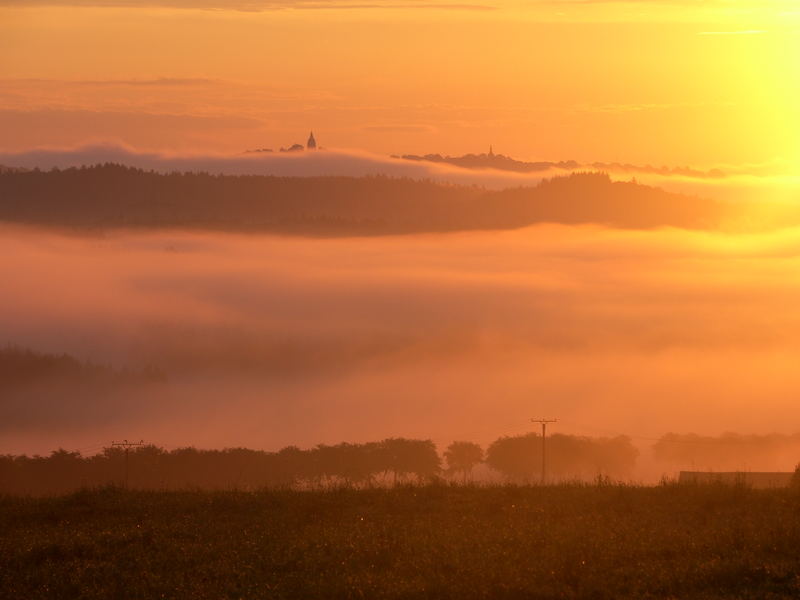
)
(312, 143)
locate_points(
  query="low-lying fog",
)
(271, 341)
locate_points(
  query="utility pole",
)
(127, 446)
(544, 423)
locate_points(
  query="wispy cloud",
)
(400, 128)
(647, 106)
(737, 32)
(160, 81)
(252, 5)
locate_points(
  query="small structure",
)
(757, 480)
(312, 143)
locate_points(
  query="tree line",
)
(42, 390)
(115, 196)
(22, 367)
(387, 462)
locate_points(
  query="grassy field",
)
(411, 542)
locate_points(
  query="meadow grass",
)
(438, 541)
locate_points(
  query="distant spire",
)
(491, 152)
(312, 143)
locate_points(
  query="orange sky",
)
(705, 83)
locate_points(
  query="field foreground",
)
(411, 542)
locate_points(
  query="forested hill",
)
(21, 368)
(113, 196)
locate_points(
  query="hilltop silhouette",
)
(114, 196)
(58, 390)
(494, 161)
(22, 367)
(501, 162)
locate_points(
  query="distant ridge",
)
(501, 162)
(114, 196)
(493, 161)
(21, 367)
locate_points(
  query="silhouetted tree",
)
(462, 457)
(796, 479)
(568, 456)
(405, 457)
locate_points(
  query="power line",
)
(89, 448)
(544, 423)
(127, 446)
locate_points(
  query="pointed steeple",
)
(491, 152)
(312, 143)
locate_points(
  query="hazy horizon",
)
(755, 184)
(274, 340)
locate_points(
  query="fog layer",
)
(269, 341)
